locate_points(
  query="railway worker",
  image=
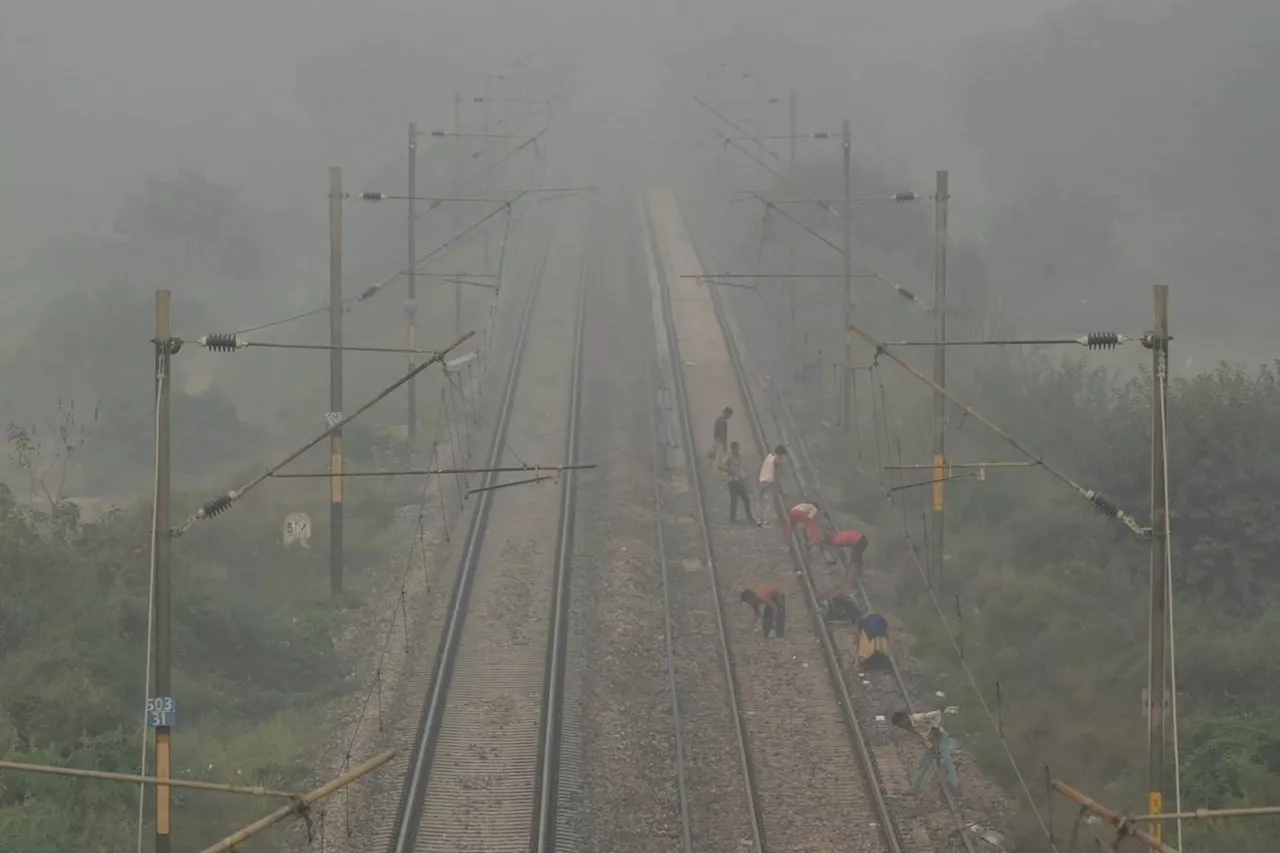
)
(767, 482)
(841, 607)
(854, 543)
(771, 598)
(805, 515)
(939, 745)
(720, 438)
(732, 468)
(873, 641)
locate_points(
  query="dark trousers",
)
(775, 616)
(856, 552)
(738, 492)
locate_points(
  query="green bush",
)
(1054, 597)
(254, 665)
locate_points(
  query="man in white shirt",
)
(927, 725)
(767, 482)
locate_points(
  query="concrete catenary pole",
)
(411, 306)
(161, 541)
(335, 380)
(1159, 343)
(486, 145)
(939, 373)
(846, 382)
(791, 142)
(457, 193)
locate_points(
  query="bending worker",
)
(805, 515)
(854, 543)
(873, 641)
(938, 744)
(774, 601)
(838, 608)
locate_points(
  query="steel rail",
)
(413, 795)
(669, 652)
(726, 654)
(546, 797)
(892, 834)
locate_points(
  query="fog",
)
(1095, 149)
(97, 96)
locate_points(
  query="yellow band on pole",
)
(335, 463)
(162, 772)
(1155, 805)
(939, 471)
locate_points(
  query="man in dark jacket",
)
(720, 438)
(732, 469)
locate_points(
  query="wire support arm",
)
(1099, 501)
(103, 775)
(222, 503)
(302, 805)
(350, 301)
(528, 480)
(428, 471)
(893, 489)
(230, 343)
(1093, 341)
(899, 289)
(1124, 826)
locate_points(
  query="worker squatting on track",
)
(771, 599)
(873, 630)
(854, 543)
(939, 745)
(873, 642)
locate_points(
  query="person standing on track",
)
(720, 438)
(767, 482)
(771, 598)
(732, 469)
(939, 745)
(854, 543)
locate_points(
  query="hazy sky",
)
(95, 95)
(1137, 109)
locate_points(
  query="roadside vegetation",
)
(255, 668)
(1050, 599)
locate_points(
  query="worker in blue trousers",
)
(939, 745)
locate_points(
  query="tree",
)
(45, 455)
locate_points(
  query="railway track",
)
(801, 795)
(488, 762)
(925, 828)
(673, 430)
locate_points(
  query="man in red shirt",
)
(774, 602)
(805, 515)
(854, 543)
